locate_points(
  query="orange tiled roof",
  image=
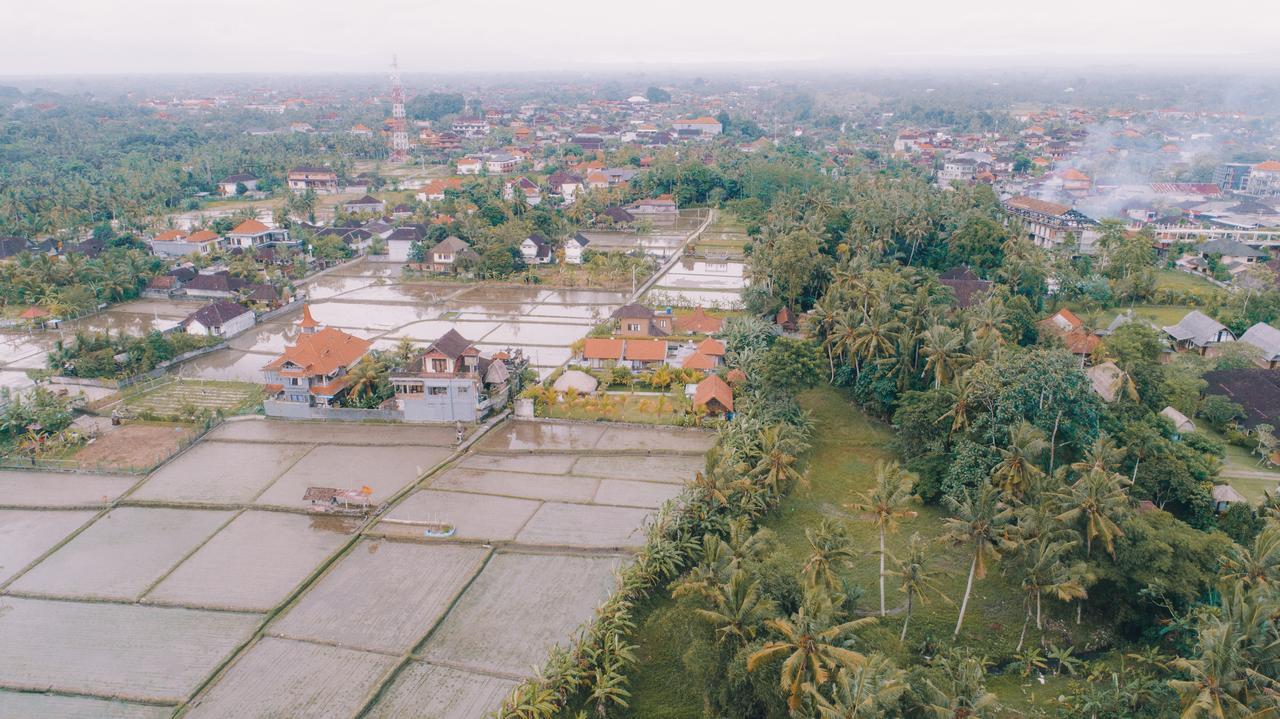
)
(710, 347)
(170, 235)
(323, 352)
(250, 227)
(713, 388)
(699, 321)
(602, 348)
(1268, 166)
(646, 350)
(202, 236)
(697, 360)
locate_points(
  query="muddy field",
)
(152, 599)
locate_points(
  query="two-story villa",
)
(451, 381)
(313, 372)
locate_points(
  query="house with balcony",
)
(321, 180)
(451, 381)
(176, 243)
(445, 255)
(313, 371)
(252, 233)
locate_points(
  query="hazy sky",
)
(438, 36)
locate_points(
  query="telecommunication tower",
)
(399, 128)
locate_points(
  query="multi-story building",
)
(452, 382)
(321, 180)
(252, 233)
(1232, 176)
(1051, 225)
(313, 372)
(1264, 180)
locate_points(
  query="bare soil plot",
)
(283, 678)
(518, 608)
(124, 651)
(534, 436)
(57, 489)
(474, 517)
(252, 564)
(676, 470)
(585, 526)
(434, 692)
(547, 464)
(26, 705)
(220, 472)
(266, 430)
(626, 493)
(656, 440)
(134, 446)
(383, 596)
(385, 470)
(518, 484)
(26, 534)
(122, 554)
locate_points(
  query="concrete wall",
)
(300, 410)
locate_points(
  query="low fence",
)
(165, 366)
(281, 310)
(73, 465)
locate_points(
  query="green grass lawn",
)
(847, 445)
(1159, 315)
(1242, 471)
(1184, 282)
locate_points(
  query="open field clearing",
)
(177, 397)
(475, 517)
(57, 489)
(427, 690)
(252, 564)
(122, 554)
(134, 446)
(385, 470)
(125, 651)
(384, 596)
(221, 472)
(26, 705)
(518, 608)
(284, 678)
(584, 526)
(27, 534)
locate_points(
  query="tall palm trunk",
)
(905, 622)
(968, 587)
(882, 571)
(1038, 624)
(1026, 619)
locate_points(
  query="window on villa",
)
(437, 391)
(633, 327)
(462, 390)
(439, 365)
(293, 381)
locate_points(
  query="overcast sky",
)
(438, 36)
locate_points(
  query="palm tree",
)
(1258, 566)
(980, 523)
(962, 395)
(776, 468)
(1018, 466)
(886, 502)
(809, 643)
(955, 687)
(915, 579)
(365, 377)
(1044, 571)
(1218, 678)
(945, 353)
(875, 337)
(863, 693)
(1096, 501)
(831, 546)
(737, 609)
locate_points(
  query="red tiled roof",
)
(698, 321)
(646, 350)
(1268, 166)
(712, 347)
(170, 235)
(202, 236)
(602, 348)
(699, 361)
(323, 352)
(713, 388)
(250, 227)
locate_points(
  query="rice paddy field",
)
(210, 589)
(182, 396)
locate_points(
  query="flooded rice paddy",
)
(159, 604)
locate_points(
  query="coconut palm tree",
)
(955, 687)
(738, 610)
(1044, 570)
(830, 546)
(868, 691)
(944, 352)
(1095, 503)
(1019, 462)
(915, 579)
(981, 524)
(809, 645)
(365, 377)
(1259, 565)
(776, 467)
(876, 336)
(886, 503)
